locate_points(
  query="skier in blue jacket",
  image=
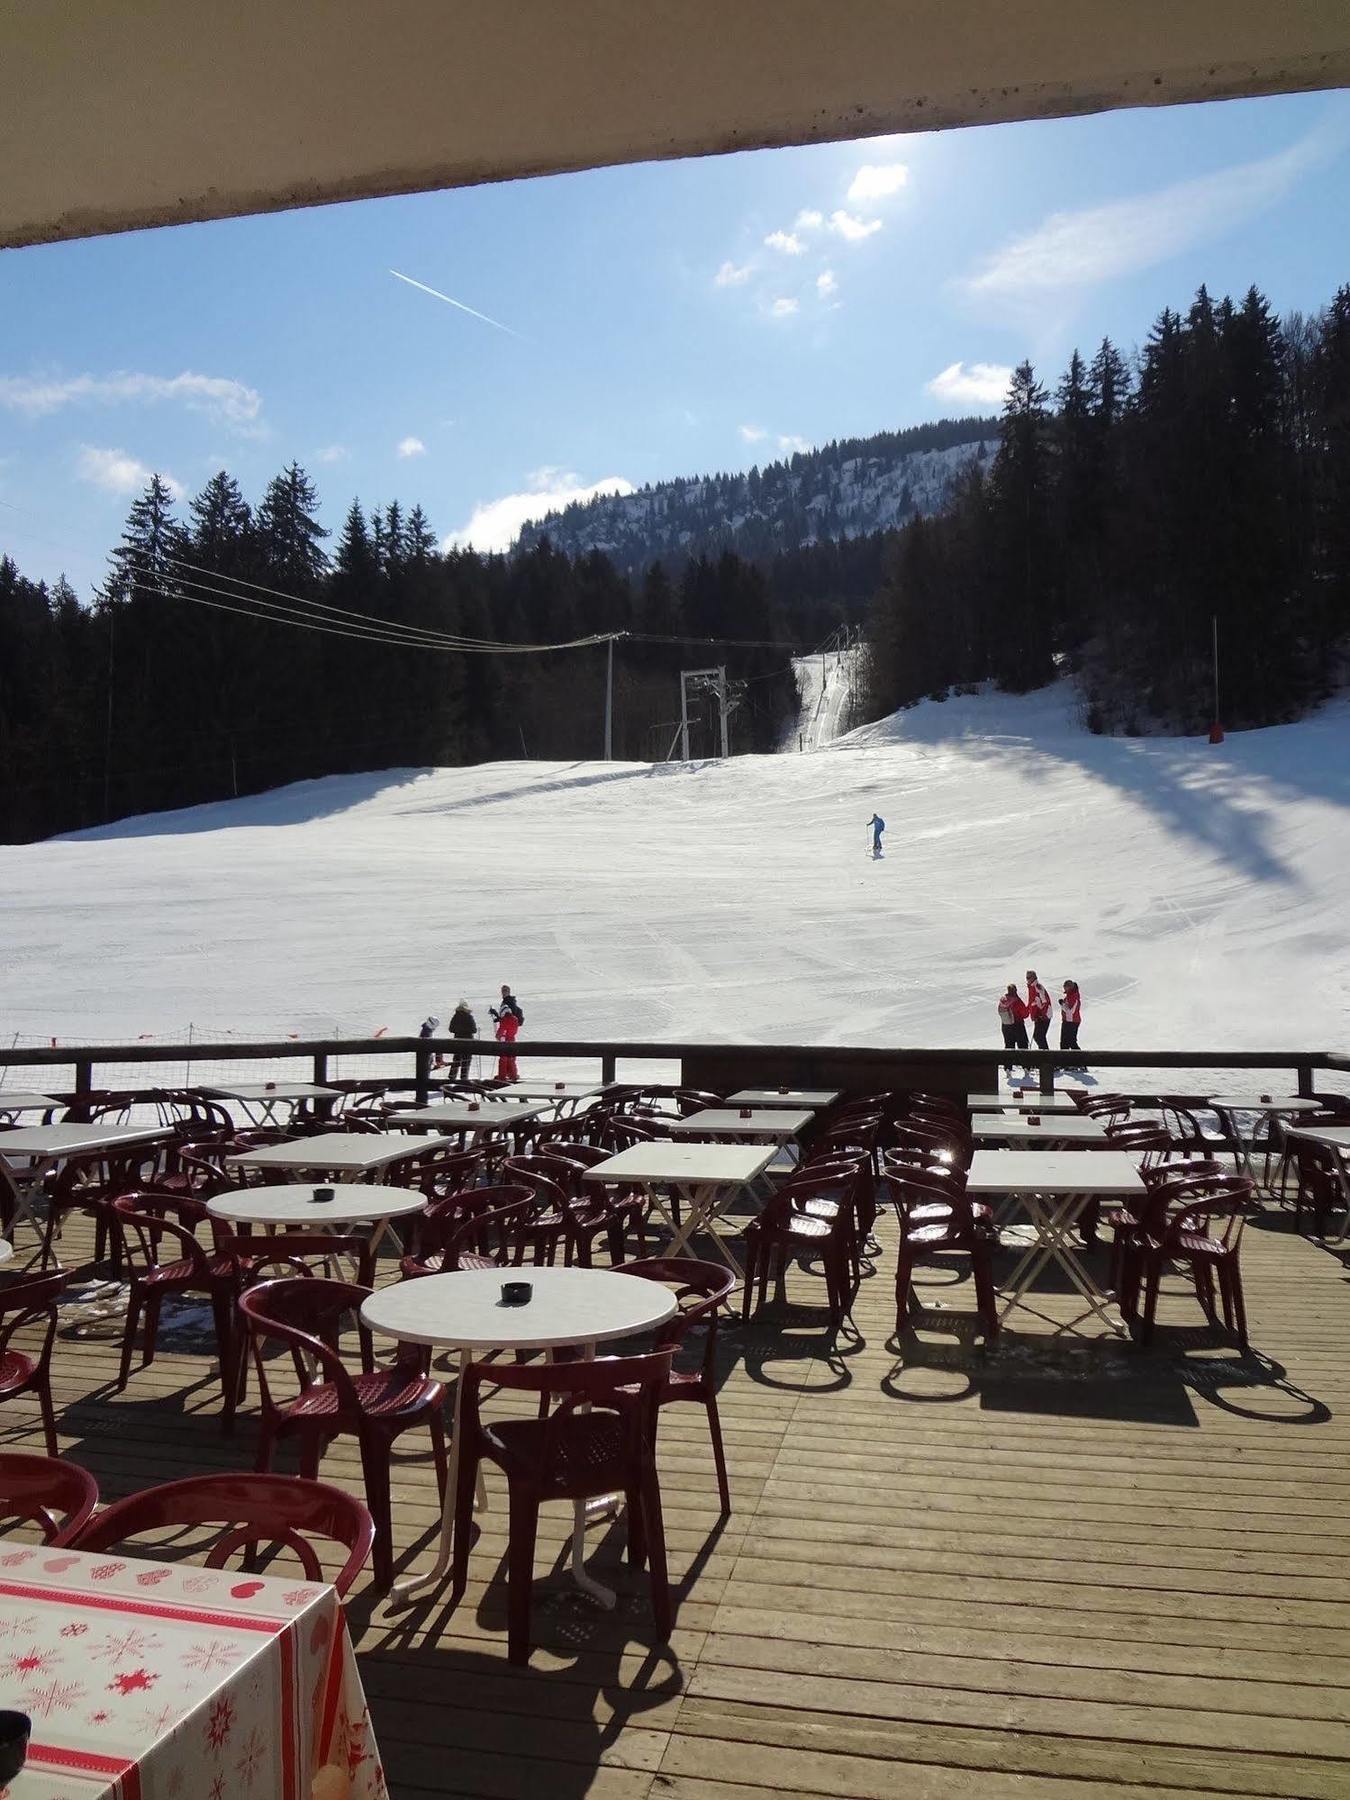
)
(878, 825)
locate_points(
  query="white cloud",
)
(808, 220)
(877, 181)
(496, 524)
(117, 472)
(332, 453)
(983, 384)
(827, 283)
(851, 228)
(227, 401)
(410, 446)
(732, 275)
(789, 441)
(752, 433)
(1078, 249)
(786, 241)
(782, 309)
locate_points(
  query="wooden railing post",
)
(1305, 1082)
(606, 1068)
(321, 1068)
(422, 1073)
(1047, 1077)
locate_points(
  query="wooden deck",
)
(1049, 1575)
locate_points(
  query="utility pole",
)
(684, 719)
(722, 708)
(609, 704)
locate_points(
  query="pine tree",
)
(221, 527)
(290, 537)
(151, 545)
(1026, 571)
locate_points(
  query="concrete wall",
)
(153, 112)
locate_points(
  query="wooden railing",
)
(715, 1067)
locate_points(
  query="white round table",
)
(7, 1250)
(568, 1308)
(293, 1204)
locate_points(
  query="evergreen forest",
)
(1150, 509)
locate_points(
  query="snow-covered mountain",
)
(843, 490)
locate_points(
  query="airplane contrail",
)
(436, 294)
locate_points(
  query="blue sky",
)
(662, 319)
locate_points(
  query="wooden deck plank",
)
(1025, 1576)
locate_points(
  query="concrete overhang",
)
(126, 113)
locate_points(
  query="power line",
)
(319, 606)
(381, 632)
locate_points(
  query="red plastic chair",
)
(963, 1230)
(789, 1227)
(89, 1185)
(701, 1288)
(439, 1173)
(148, 1224)
(375, 1407)
(1321, 1184)
(493, 1233)
(1205, 1235)
(570, 1454)
(261, 1510)
(564, 1216)
(24, 1304)
(624, 1209)
(35, 1489)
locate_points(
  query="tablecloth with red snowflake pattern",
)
(165, 1681)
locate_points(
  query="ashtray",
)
(14, 1730)
(516, 1293)
(323, 1194)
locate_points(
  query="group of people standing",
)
(1014, 1012)
(507, 1020)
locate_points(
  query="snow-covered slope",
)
(1197, 893)
(839, 491)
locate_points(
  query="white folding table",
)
(336, 1152)
(765, 1124)
(294, 1205)
(561, 1095)
(1054, 1186)
(572, 1308)
(1277, 1106)
(33, 1151)
(1335, 1137)
(1061, 1131)
(814, 1099)
(13, 1102)
(705, 1177)
(1021, 1101)
(469, 1115)
(260, 1099)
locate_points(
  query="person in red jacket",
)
(507, 1027)
(1039, 1009)
(1012, 1017)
